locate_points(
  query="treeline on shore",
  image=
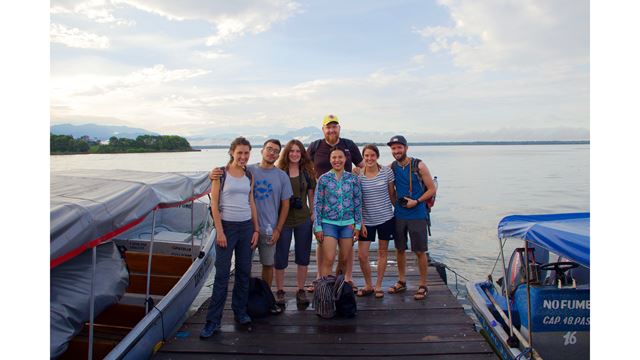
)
(66, 144)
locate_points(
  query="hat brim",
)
(396, 142)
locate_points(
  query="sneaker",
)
(209, 329)
(280, 301)
(301, 300)
(243, 319)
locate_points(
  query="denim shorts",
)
(338, 232)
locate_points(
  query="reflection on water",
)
(478, 185)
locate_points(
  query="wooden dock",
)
(396, 326)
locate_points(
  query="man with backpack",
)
(414, 188)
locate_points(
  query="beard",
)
(400, 157)
(332, 139)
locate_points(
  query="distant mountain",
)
(100, 132)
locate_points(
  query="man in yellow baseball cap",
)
(330, 119)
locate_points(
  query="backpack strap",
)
(313, 147)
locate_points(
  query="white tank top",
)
(234, 200)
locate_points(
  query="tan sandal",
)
(379, 294)
(421, 293)
(398, 287)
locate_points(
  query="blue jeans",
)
(239, 240)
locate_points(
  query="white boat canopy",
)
(89, 207)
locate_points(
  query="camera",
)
(403, 202)
(295, 202)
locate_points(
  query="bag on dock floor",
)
(323, 297)
(345, 299)
(261, 299)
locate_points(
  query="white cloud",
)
(100, 11)
(232, 19)
(74, 37)
(514, 35)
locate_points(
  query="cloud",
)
(100, 11)
(232, 19)
(519, 35)
(76, 38)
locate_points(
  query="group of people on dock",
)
(329, 190)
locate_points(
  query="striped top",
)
(376, 204)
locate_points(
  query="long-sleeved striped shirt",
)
(338, 201)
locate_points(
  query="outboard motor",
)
(516, 273)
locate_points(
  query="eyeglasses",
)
(272, 150)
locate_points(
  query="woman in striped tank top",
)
(378, 195)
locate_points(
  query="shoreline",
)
(125, 152)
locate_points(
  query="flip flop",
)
(421, 294)
(398, 287)
(379, 294)
(365, 292)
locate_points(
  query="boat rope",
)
(498, 258)
(437, 263)
(525, 354)
(150, 301)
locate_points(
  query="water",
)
(478, 185)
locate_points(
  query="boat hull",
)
(168, 314)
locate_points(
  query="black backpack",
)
(261, 299)
(345, 299)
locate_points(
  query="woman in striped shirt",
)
(378, 193)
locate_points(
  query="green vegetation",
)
(65, 144)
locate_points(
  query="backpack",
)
(261, 299)
(415, 162)
(345, 299)
(323, 297)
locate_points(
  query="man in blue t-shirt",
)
(411, 213)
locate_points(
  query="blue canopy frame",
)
(562, 234)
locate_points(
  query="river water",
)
(478, 185)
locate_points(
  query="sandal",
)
(399, 287)
(364, 292)
(379, 294)
(421, 293)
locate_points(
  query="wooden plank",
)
(137, 262)
(395, 326)
(159, 285)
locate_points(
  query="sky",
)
(448, 70)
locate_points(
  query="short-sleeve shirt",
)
(270, 187)
(321, 159)
(300, 189)
(376, 203)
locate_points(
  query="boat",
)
(540, 308)
(129, 252)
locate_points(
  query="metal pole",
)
(153, 232)
(92, 301)
(506, 295)
(193, 258)
(526, 254)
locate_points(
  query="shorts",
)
(303, 237)
(266, 251)
(338, 232)
(417, 230)
(385, 231)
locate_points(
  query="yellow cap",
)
(329, 119)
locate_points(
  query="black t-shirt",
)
(321, 156)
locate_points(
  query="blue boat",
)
(540, 308)
(130, 251)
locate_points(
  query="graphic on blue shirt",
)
(262, 190)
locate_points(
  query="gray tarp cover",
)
(89, 205)
(70, 292)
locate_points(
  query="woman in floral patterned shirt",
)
(338, 212)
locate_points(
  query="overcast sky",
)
(457, 70)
